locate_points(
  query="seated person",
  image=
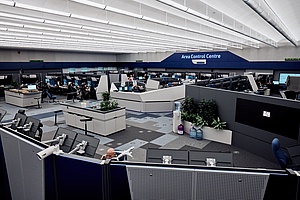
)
(110, 154)
(137, 88)
(130, 78)
(71, 88)
(84, 91)
(113, 155)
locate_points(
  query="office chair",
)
(280, 155)
(51, 97)
(290, 94)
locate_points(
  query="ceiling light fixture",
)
(90, 3)
(8, 3)
(40, 9)
(211, 20)
(123, 12)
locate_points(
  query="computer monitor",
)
(120, 88)
(76, 82)
(92, 144)
(22, 119)
(283, 77)
(65, 81)
(31, 87)
(89, 83)
(69, 141)
(34, 127)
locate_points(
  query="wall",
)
(257, 133)
(268, 53)
(8, 55)
(145, 57)
(250, 54)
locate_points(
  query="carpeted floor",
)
(143, 131)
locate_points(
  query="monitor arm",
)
(80, 148)
(60, 139)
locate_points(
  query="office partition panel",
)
(25, 171)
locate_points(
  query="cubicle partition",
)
(24, 171)
(67, 176)
(254, 119)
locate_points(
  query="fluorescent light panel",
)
(40, 9)
(7, 3)
(90, 3)
(123, 12)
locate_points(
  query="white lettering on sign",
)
(201, 56)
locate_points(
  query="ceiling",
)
(135, 26)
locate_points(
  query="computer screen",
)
(120, 88)
(76, 82)
(89, 83)
(65, 81)
(47, 80)
(31, 87)
(283, 77)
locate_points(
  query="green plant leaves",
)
(107, 104)
(204, 113)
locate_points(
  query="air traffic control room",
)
(144, 100)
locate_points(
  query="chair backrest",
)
(280, 155)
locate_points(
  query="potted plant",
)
(107, 104)
(204, 115)
(189, 110)
(218, 124)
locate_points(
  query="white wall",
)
(251, 54)
(268, 53)
(9, 55)
(145, 57)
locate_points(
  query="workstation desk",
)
(158, 100)
(101, 122)
(22, 99)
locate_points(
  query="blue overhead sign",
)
(203, 59)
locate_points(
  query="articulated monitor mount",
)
(80, 148)
(59, 139)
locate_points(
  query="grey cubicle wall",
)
(69, 176)
(255, 137)
(25, 172)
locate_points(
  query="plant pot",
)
(222, 136)
(187, 125)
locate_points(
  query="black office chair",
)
(281, 156)
(290, 94)
(51, 97)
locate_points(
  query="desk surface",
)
(294, 152)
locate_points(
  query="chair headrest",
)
(275, 144)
